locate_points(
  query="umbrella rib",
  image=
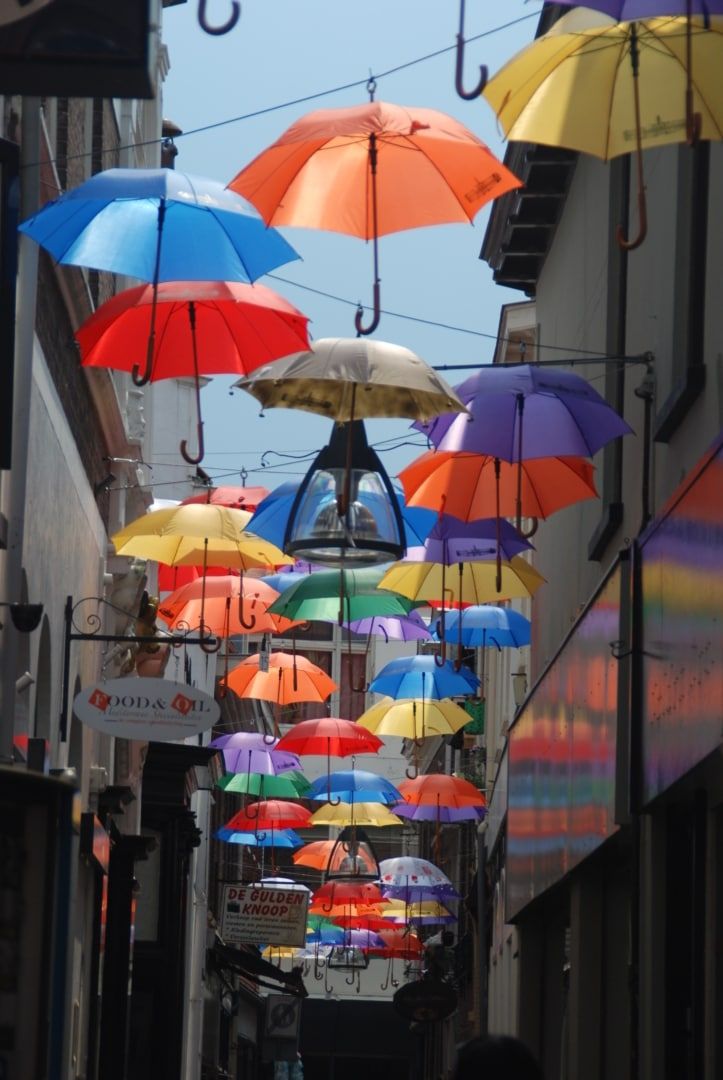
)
(657, 44)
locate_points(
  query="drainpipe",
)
(196, 944)
(11, 566)
(482, 973)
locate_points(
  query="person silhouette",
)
(496, 1057)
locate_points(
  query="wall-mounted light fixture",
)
(519, 686)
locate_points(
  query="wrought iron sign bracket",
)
(93, 624)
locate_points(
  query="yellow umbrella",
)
(408, 718)
(198, 534)
(607, 88)
(399, 911)
(472, 583)
(371, 814)
(282, 952)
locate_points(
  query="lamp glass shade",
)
(345, 512)
(352, 856)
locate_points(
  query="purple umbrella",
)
(445, 815)
(521, 411)
(418, 894)
(362, 939)
(252, 752)
(411, 627)
(454, 541)
(627, 10)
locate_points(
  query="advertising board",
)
(264, 915)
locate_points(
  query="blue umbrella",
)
(422, 677)
(354, 785)
(485, 625)
(283, 581)
(284, 838)
(158, 225)
(272, 514)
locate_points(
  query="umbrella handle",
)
(466, 95)
(631, 245)
(241, 619)
(362, 330)
(217, 31)
(412, 772)
(527, 533)
(142, 380)
(192, 459)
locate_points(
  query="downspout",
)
(196, 945)
(11, 566)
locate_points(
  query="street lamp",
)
(519, 686)
(352, 856)
(345, 512)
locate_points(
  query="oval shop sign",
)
(148, 709)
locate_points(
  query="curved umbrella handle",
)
(217, 31)
(241, 619)
(527, 533)
(142, 379)
(362, 330)
(388, 980)
(412, 772)
(192, 459)
(631, 245)
(466, 95)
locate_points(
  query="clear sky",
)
(283, 50)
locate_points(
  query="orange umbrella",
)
(289, 678)
(224, 606)
(465, 485)
(318, 852)
(373, 169)
(399, 943)
(438, 789)
(243, 498)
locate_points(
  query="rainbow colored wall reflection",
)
(682, 580)
(562, 757)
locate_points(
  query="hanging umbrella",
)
(241, 498)
(325, 932)
(288, 785)
(471, 486)
(452, 540)
(400, 944)
(200, 327)
(269, 814)
(354, 786)
(442, 815)
(331, 736)
(419, 913)
(317, 597)
(197, 535)
(362, 922)
(484, 626)
(369, 814)
(411, 627)
(373, 169)
(272, 515)
(273, 838)
(158, 225)
(593, 85)
(414, 718)
(349, 379)
(475, 582)
(252, 752)
(282, 678)
(405, 872)
(421, 677)
(364, 939)
(225, 606)
(282, 581)
(318, 853)
(348, 892)
(438, 789)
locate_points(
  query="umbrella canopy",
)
(195, 535)
(281, 677)
(420, 912)
(442, 815)
(331, 736)
(411, 627)
(421, 677)
(250, 751)
(324, 932)
(224, 605)
(373, 169)
(112, 222)
(405, 871)
(281, 581)
(574, 86)
(272, 515)
(400, 944)
(473, 486)
(288, 785)
(473, 582)
(354, 786)
(348, 892)
(438, 789)
(431, 170)
(269, 814)
(202, 328)
(353, 379)
(272, 838)
(452, 540)
(364, 939)
(521, 411)
(485, 625)
(318, 853)
(414, 719)
(317, 597)
(242, 498)
(625, 10)
(370, 814)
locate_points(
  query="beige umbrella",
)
(351, 379)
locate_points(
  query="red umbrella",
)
(242, 498)
(239, 327)
(269, 814)
(399, 943)
(335, 893)
(331, 736)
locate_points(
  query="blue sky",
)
(283, 50)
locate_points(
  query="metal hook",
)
(217, 31)
(466, 95)
(210, 644)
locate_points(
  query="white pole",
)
(11, 566)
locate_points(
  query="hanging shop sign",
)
(262, 915)
(425, 1001)
(148, 709)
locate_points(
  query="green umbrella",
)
(288, 785)
(343, 595)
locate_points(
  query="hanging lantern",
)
(352, 856)
(345, 512)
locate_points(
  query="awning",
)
(253, 966)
